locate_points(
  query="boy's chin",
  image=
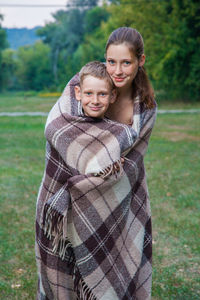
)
(94, 114)
(98, 116)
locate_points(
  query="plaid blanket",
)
(93, 222)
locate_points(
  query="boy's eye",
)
(88, 93)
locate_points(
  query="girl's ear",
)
(142, 60)
(77, 91)
(113, 96)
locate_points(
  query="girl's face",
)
(122, 65)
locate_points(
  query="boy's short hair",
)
(96, 69)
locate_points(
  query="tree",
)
(64, 35)
(93, 19)
(33, 67)
(68, 32)
(8, 69)
(3, 44)
(180, 63)
(93, 45)
(85, 4)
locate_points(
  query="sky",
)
(18, 17)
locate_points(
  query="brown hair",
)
(133, 39)
(96, 69)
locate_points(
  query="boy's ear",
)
(77, 91)
(113, 96)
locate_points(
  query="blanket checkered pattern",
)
(93, 234)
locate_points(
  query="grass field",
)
(173, 169)
(12, 102)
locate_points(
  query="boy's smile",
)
(95, 95)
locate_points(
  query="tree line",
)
(170, 29)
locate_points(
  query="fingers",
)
(117, 165)
(122, 161)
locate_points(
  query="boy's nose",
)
(95, 99)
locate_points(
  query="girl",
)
(124, 61)
(93, 232)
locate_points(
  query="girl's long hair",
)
(133, 39)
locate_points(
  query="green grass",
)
(12, 102)
(21, 164)
(173, 168)
(172, 164)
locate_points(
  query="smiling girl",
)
(125, 63)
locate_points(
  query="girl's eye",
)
(127, 63)
(111, 62)
(103, 94)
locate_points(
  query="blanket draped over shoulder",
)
(93, 222)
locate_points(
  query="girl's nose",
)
(118, 69)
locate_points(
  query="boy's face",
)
(95, 95)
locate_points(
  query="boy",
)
(79, 152)
(96, 90)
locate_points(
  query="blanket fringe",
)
(51, 220)
(61, 245)
(114, 169)
(53, 223)
(82, 290)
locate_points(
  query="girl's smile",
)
(119, 79)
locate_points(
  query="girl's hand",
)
(115, 169)
(117, 166)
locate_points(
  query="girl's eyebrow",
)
(124, 59)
